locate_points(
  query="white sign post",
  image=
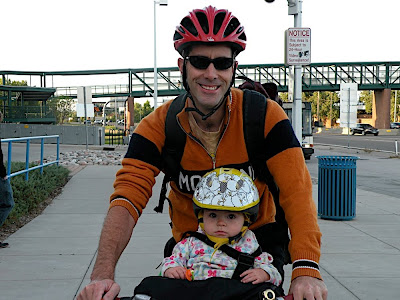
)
(84, 107)
(84, 95)
(348, 106)
(298, 46)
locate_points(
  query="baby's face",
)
(222, 224)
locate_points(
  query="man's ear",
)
(236, 64)
(180, 64)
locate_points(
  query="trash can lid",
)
(337, 157)
(335, 160)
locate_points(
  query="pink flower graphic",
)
(201, 251)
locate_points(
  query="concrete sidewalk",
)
(52, 256)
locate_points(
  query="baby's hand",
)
(254, 276)
(175, 272)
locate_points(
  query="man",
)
(208, 41)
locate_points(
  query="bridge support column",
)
(381, 108)
(129, 112)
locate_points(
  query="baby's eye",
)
(212, 215)
(231, 216)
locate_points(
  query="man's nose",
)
(211, 71)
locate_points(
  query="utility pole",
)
(295, 9)
(330, 111)
(395, 107)
(86, 121)
(318, 109)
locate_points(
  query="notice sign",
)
(298, 46)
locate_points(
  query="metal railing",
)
(27, 168)
(29, 113)
(116, 136)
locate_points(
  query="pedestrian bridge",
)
(381, 77)
(140, 82)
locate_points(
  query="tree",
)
(147, 109)
(324, 105)
(140, 111)
(61, 107)
(14, 82)
(366, 98)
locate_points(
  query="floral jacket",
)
(195, 255)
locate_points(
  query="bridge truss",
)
(140, 82)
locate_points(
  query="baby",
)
(226, 202)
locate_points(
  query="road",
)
(380, 142)
(376, 171)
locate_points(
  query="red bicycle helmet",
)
(210, 25)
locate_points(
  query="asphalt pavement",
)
(52, 256)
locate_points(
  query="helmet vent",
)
(177, 36)
(202, 18)
(233, 24)
(181, 29)
(189, 26)
(242, 37)
(223, 187)
(239, 184)
(219, 18)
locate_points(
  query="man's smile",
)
(209, 87)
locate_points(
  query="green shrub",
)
(28, 195)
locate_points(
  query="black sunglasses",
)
(202, 62)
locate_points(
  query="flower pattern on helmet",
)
(226, 189)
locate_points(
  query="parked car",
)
(87, 122)
(395, 125)
(364, 129)
(98, 121)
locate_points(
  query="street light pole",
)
(161, 3)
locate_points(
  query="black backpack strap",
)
(254, 112)
(163, 195)
(175, 139)
(245, 261)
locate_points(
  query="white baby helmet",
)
(227, 189)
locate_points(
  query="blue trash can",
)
(337, 187)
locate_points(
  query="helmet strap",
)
(223, 241)
(184, 75)
(203, 115)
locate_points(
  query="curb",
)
(73, 170)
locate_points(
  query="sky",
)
(48, 35)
